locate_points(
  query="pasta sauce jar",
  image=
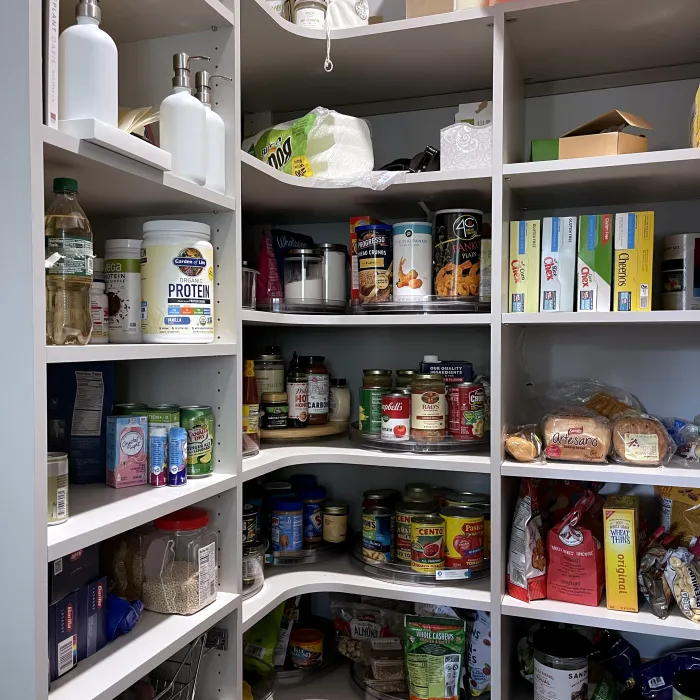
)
(428, 407)
(319, 388)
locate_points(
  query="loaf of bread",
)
(640, 439)
(576, 435)
(524, 443)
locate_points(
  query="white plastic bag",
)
(343, 14)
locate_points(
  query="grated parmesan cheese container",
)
(177, 282)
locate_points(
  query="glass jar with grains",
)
(180, 572)
(428, 407)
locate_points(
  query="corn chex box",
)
(558, 271)
(595, 262)
(524, 275)
(634, 255)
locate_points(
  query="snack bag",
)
(680, 512)
(683, 576)
(606, 400)
(524, 444)
(641, 439)
(268, 284)
(479, 654)
(576, 568)
(527, 563)
(652, 582)
(576, 434)
(260, 640)
(434, 650)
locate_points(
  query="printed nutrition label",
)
(207, 574)
(87, 411)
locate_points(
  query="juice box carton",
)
(524, 280)
(620, 521)
(558, 271)
(63, 636)
(634, 255)
(595, 262)
(92, 618)
(355, 222)
(127, 451)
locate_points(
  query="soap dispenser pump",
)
(88, 87)
(216, 133)
(183, 125)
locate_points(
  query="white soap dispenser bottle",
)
(216, 134)
(183, 125)
(87, 69)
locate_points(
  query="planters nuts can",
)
(396, 416)
(413, 259)
(457, 252)
(157, 456)
(374, 262)
(199, 423)
(177, 457)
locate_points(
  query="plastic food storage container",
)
(253, 567)
(249, 282)
(179, 563)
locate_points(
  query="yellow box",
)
(620, 519)
(695, 122)
(634, 257)
(524, 267)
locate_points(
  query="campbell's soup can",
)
(466, 404)
(396, 416)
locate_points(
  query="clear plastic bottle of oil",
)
(68, 242)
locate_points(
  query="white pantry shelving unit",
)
(547, 65)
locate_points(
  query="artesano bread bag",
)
(576, 435)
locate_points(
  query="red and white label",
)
(396, 418)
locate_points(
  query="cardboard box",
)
(92, 618)
(680, 272)
(558, 271)
(68, 574)
(423, 8)
(455, 372)
(620, 522)
(634, 255)
(524, 280)
(594, 263)
(63, 636)
(475, 113)
(127, 451)
(544, 149)
(695, 121)
(589, 139)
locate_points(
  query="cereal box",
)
(558, 271)
(127, 451)
(634, 254)
(620, 519)
(524, 281)
(595, 258)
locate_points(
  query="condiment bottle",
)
(251, 402)
(319, 388)
(298, 397)
(339, 409)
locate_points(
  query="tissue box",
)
(464, 146)
(423, 8)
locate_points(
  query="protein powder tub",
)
(122, 272)
(561, 664)
(177, 282)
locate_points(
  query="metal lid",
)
(277, 486)
(56, 456)
(181, 67)
(335, 507)
(195, 408)
(380, 494)
(429, 376)
(312, 359)
(382, 372)
(416, 508)
(270, 358)
(88, 8)
(419, 489)
(378, 510)
(177, 226)
(274, 397)
(402, 390)
(387, 228)
(456, 386)
(398, 393)
(339, 382)
(300, 252)
(320, 2)
(333, 246)
(164, 407)
(461, 512)
(414, 223)
(297, 377)
(466, 498)
(405, 372)
(459, 211)
(202, 88)
(428, 520)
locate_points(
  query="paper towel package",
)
(323, 144)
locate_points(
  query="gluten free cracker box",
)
(634, 255)
(620, 522)
(524, 268)
(558, 271)
(595, 263)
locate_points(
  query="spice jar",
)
(303, 275)
(404, 377)
(334, 273)
(180, 572)
(286, 524)
(269, 373)
(298, 398)
(375, 383)
(428, 407)
(561, 664)
(339, 408)
(312, 499)
(274, 412)
(310, 13)
(319, 388)
(335, 521)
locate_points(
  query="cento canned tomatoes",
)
(396, 416)
(427, 544)
(464, 537)
(467, 402)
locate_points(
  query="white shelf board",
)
(344, 451)
(601, 317)
(153, 640)
(265, 318)
(340, 576)
(656, 176)
(675, 475)
(98, 511)
(643, 622)
(375, 63)
(596, 37)
(136, 351)
(269, 195)
(111, 184)
(136, 20)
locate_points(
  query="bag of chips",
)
(479, 656)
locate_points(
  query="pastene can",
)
(464, 537)
(427, 544)
(199, 423)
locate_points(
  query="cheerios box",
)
(634, 256)
(524, 274)
(595, 263)
(558, 271)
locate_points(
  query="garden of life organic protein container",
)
(413, 254)
(177, 282)
(199, 423)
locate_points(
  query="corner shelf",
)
(136, 351)
(601, 317)
(266, 318)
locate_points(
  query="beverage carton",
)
(558, 271)
(634, 254)
(595, 258)
(620, 519)
(524, 281)
(127, 451)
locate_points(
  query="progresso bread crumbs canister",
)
(374, 260)
(457, 252)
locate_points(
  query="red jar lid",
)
(185, 519)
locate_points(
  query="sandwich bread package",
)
(642, 440)
(606, 400)
(524, 444)
(574, 434)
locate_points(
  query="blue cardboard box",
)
(68, 574)
(63, 636)
(92, 618)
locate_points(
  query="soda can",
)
(157, 457)
(199, 423)
(177, 457)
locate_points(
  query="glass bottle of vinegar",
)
(68, 245)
